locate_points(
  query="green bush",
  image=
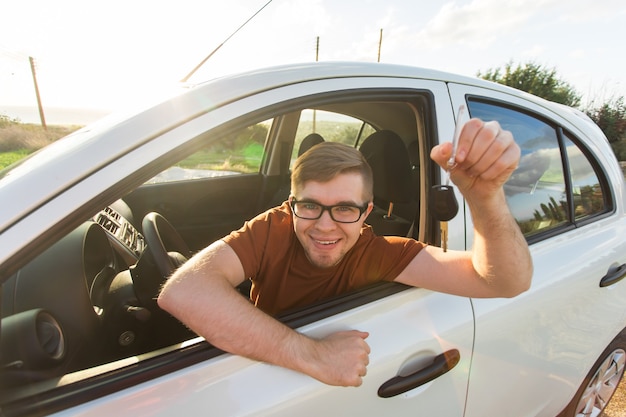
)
(620, 150)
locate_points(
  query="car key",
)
(443, 203)
(461, 118)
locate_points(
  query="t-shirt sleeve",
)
(392, 254)
(247, 243)
(405, 250)
(251, 241)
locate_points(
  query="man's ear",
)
(370, 207)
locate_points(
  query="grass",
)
(246, 159)
(18, 140)
(8, 158)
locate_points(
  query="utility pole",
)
(317, 57)
(317, 49)
(41, 116)
(380, 43)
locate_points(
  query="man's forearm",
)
(202, 295)
(212, 308)
(500, 253)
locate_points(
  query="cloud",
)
(580, 11)
(478, 23)
(534, 52)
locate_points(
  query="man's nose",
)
(325, 220)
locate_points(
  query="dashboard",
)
(125, 235)
(83, 300)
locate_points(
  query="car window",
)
(550, 188)
(588, 195)
(331, 126)
(238, 153)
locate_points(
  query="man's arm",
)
(202, 295)
(499, 264)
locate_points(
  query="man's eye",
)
(310, 206)
(345, 209)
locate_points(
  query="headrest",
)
(388, 157)
(309, 141)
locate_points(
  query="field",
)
(19, 139)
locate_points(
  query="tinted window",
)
(331, 126)
(537, 192)
(588, 196)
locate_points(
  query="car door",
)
(421, 342)
(408, 331)
(564, 198)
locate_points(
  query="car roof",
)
(56, 167)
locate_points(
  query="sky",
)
(106, 56)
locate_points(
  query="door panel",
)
(406, 331)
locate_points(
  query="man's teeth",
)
(326, 242)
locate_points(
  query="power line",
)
(222, 44)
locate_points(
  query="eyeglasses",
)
(341, 213)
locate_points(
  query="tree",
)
(534, 79)
(610, 117)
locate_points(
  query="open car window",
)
(332, 127)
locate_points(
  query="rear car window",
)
(556, 184)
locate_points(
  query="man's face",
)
(324, 240)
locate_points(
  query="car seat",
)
(309, 141)
(389, 159)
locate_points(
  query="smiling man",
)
(317, 245)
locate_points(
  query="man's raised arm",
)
(499, 263)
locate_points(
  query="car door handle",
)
(613, 276)
(441, 364)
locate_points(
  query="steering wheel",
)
(167, 247)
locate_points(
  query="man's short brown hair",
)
(325, 161)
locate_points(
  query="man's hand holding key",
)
(484, 159)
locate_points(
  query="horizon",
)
(60, 116)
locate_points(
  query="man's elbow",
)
(519, 285)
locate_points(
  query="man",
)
(317, 245)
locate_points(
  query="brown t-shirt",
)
(282, 276)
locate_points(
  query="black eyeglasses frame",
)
(293, 202)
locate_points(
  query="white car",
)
(91, 225)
